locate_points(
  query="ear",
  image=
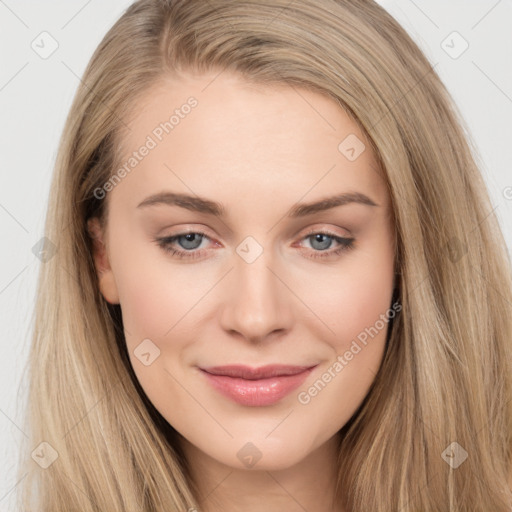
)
(106, 279)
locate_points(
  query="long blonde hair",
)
(446, 374)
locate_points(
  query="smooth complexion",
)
(257, 151)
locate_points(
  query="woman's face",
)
(289, 261)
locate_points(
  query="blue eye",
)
(321, 237)
(192, 240)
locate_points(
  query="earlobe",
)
(104, 272)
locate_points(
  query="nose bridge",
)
(255, 302)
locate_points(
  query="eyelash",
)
(165, 243)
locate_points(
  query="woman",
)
(340, 337)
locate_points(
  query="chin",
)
(260, 454)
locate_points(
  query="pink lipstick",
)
(256, 387)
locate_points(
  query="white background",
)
(36, 93)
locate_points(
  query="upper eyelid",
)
(309, 233)
(321, 228)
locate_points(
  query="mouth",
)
(256, 387)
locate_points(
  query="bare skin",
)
(257, 150)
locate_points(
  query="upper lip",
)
(262, 372)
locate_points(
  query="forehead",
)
(210, 133)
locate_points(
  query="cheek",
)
(155, 294)
(360, 308)
(147, 304)
(353, 300)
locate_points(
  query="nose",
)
(258, 305)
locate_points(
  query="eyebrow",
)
(202, 205)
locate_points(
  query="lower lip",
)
(257, 393)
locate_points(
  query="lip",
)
(256, 387)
